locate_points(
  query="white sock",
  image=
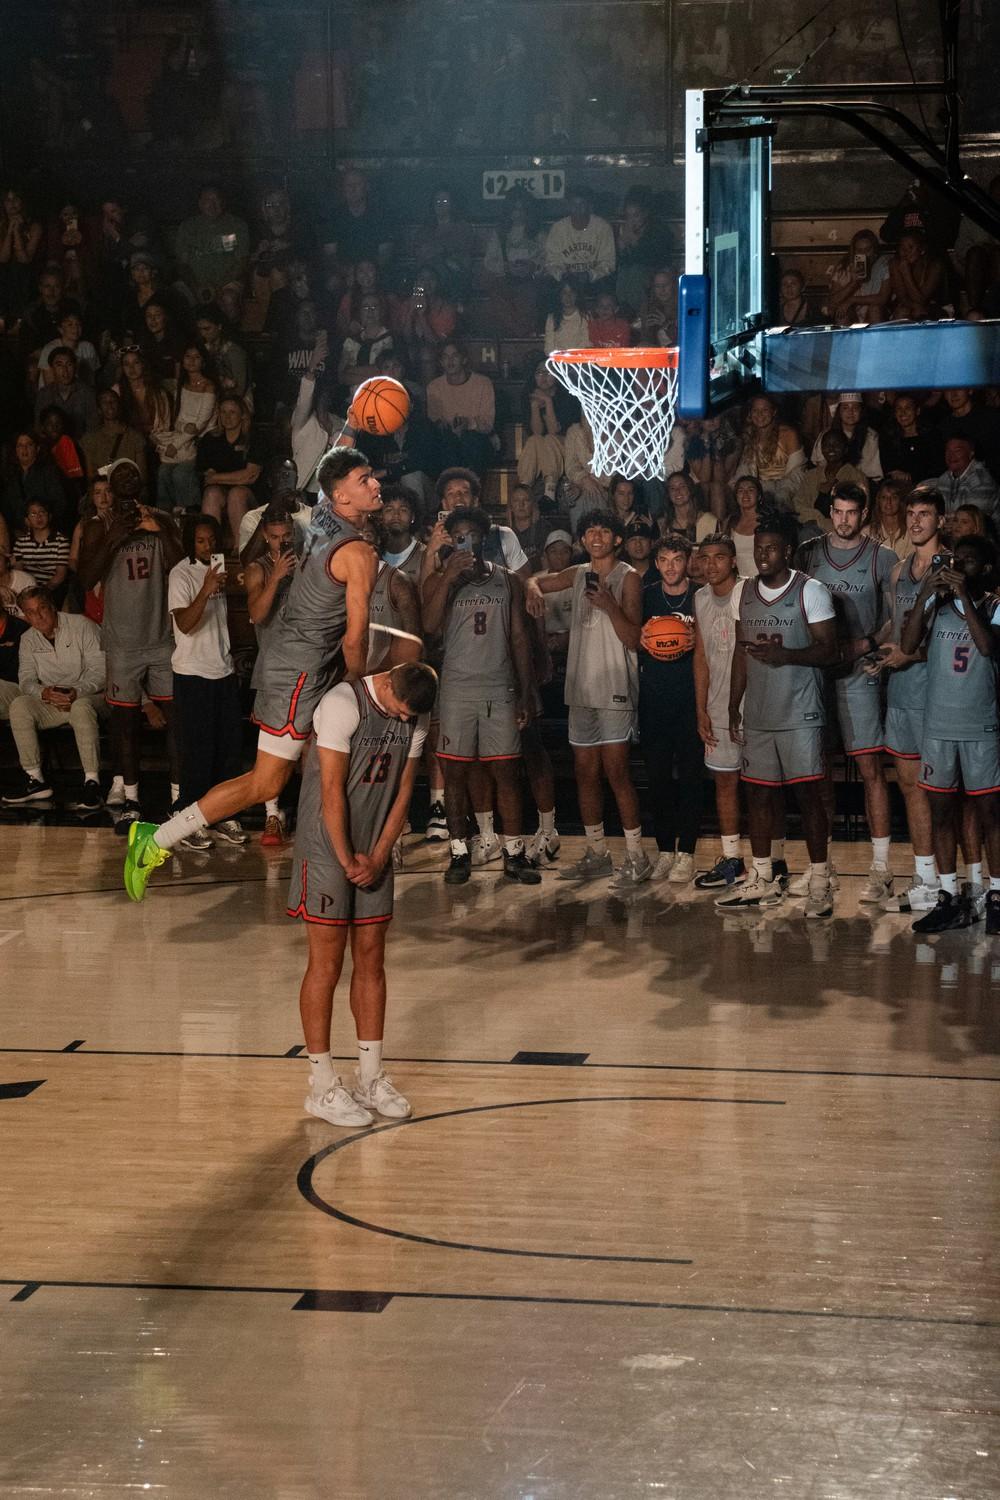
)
(975, 874)
(437, 793)
(132, 791)
(271, 808)
(594, 834)
(459, 846)
(175, 793)
(820, 871)
(512, 846)
(35, 772)
(949, 883)
(179, 826)
(547, 822)
(369, 1061)
(116, 782)
(731, 846)
(485, 821)
(925, 868)
(880, 853)
(763, 868)
(321, 1072)
(92, 775)
(633, 840)
(777, 848)
(995, 882)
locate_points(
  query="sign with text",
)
(540, 184)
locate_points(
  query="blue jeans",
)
(178, 486)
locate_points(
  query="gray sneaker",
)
(634, 870)
(591, 867)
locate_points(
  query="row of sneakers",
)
(32, 792)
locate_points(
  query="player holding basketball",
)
(857, 570)
(356, 789)
(486, 686)
(959, 618)
(786, 635)
(321, 636)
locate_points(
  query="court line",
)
(508, 1062)
(29, 1285)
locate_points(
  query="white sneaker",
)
(397, 856)
(543, 849)
(754, 892)
(799, 885)
(437, 824)
(819, 902)
(664, 864)
(380, 1096)
(683, 870)
(116, 795)
(977, 900)
(231, 832)
(634, 870)
(485, 850)
(921, 896)
(337, 1107)
(879, 887)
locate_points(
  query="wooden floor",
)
(691, 1206)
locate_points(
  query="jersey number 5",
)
(377, 769)
(961, 659)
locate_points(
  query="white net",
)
(630, 407)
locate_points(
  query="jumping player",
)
(960, 621)
(356, 788)
(785, 637)
(486, 686)
(322, 636)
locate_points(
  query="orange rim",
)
(619, 359)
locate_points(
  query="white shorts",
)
(284, 746)
(601, 726)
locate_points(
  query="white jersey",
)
(601, 672)
(717, 617)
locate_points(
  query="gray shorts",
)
(857, 704)
(287, 700)
(726, 754)
(776, 757)
(977, 761)
(904, 732)
(601, 726)
(478, 728)
(320, 892)
(131, 673)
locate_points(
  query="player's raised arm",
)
(356, 566)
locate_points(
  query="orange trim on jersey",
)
(117, 703)
(289, 725)
(950, 791)
(466, 759)
(874, 750)
(902, 754)
(785, 781)
(166, 699)
(304, 916)
(499, 757)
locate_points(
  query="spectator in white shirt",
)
(206, 700)
(582, 244)
(567, 326)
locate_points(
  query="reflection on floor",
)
(691, 1205)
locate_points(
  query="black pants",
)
(209, 732)
(675, 768)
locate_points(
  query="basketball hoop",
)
(628, 397)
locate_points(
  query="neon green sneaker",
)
(143, 857)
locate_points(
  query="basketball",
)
(667, 637)
(380, 406)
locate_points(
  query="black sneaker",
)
(993, 913)
(951, 912)
(779, 872)
(130, 812)
(516, 867)
(30, 790)
(724, 873)
(89, 800)
(459, 870)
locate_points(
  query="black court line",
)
(119, 889)
(20, 1090)
(308, 1191)
(507, 1062)
(74, 1046)
(524, 1298)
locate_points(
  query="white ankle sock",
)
(116, 782)
(485, 821)
(175, 793)
(132, 791)
(594, 834)
(512, 846)
(271, 808)
(764, 867)
(633, 840)
(35, 772)
(731, 846)
(179, 826)
(975, 874)
(949, 883)
(93, 775)
(369, 1060)
(880, 852)
(926, 869)
(777, 848)
(547, 821)
(820, 871)
(437, 793)
(321, 1071)
(459, 846)
(995, 882)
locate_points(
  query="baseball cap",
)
(558, 536)
(106, 470)
(641, 528)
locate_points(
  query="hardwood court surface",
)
(692, 1206)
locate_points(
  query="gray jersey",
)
(266, 629)
(309, 634)
(779, 697)
(908, 687)
(601, 671)
(716, 619)
(379, 749)
(478, 661)
(961, 683)
(857, 578)
(382, 611)
(136, 617)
